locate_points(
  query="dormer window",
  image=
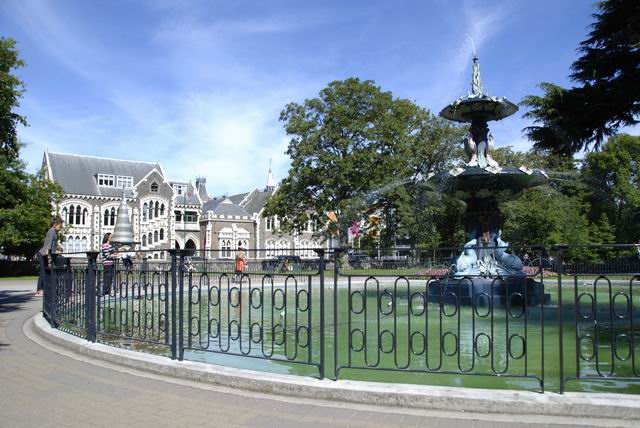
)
(180, 189)
(154, 187)
(124, 181)
(106, 180)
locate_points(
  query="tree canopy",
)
(607, 95)
(25, 199)
(352, 149)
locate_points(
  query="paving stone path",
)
(42, 388)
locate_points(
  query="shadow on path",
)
(14, 300)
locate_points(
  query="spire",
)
(123, 232)
(271, 183)
(476, 82)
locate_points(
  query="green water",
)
(402, 339)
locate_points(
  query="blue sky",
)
(198, 85)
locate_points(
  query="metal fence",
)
(564, 322)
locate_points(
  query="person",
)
(109, 256)
(49, 247)
(285, 266)
(240, 264)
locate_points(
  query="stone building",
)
(164, 213)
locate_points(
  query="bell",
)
(123, 232)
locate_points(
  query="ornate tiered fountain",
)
(486, 267)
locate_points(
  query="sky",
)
(198, 85)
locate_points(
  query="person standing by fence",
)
(240, 264)
(108, 255)
(49, 247)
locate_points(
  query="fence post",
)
(174, 338)
(321, 264)
(336, 271)
(180, 306)
(90, 296)
(53, 292)
(560, 269)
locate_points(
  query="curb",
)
(620, 407)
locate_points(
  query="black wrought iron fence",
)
(550, 326)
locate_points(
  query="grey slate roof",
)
(77, 174)
(236, 199)
(227, 207)
(257, 201)
(190, 198)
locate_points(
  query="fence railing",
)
(561, 322)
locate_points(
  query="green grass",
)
(17, 278)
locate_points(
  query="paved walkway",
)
(40, 387)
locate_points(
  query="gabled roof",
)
(257, 200)
(225, 207)
(77, 174)
(190, 198)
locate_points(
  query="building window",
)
(283, 246)
(112, 217)
(178, 215)
(270, 223)
(85, 245)
(145, 207)
(162, 210)
(271, 247)
(106, 180)
(144, 240)
(180, 189)
(162, 234)
(154, 187)
(72, 211)
(155, 236)
(150, 238)
(78, 215)
(150, 210)
(85, 213)
(191, 216)
(124, 181)
(157, 209)
(225, 246)
(65, 215)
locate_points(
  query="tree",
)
(607, 96)
(11, 89)
(612, 179)
(25, 199)
(352, 149)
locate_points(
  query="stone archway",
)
(190, 246)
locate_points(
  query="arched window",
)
(105, 217)
(78, 215)
(112, 219)
(68, 245)
(150, 238)
(271, 246)
(283, 246)
(162, 209)
(270, 223)
(154, 187)
(155, 255)
(155, 236)
(150, 210)
(225, 247)
(72, 211)
(145, 207)
(85, 213)
(84, 243)
(144, 240)
(65, 214)
(162, 234)
(157, 209)
(162, 254)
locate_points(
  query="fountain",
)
(484, 267)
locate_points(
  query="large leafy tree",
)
(612, 179)
(353, 149)
(607, 94)
(25, 199)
